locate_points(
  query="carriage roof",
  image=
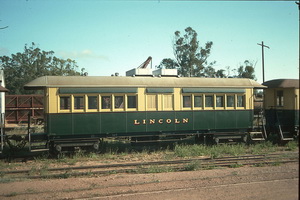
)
(138, 81)
(282, 83)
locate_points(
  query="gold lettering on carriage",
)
(161, 121)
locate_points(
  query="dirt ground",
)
(267, 182)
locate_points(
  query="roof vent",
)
(165, 72)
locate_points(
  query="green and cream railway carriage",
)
(80, 110)
(281, 106)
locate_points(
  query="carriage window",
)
(151, 102)
(279, 98)
(240, 101)
(168, 101)
(119, 102)
(92, 102)
(106, 102)
(230, 101)
(209, 101)
(131, 101)
(78, 102)
(219, 101)
(187, 101)
(64, 103)
(198, 101)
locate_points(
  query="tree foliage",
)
(190, 58)
(246, 70)
(22, 68)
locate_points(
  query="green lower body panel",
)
(285, 118)
(143, 123)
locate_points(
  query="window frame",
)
(88, 102)
(279, 98)
(243, 96)
(189, 104)
(194, 101)
(218, 106)
(127, 101)
(164, 101)
(69, 103)
(155, 96)
(233, 101)
(212, 101)
(81, 104)
(102, 102)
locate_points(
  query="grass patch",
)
(193, 166)
(263, 148)
(214, 151)
(291, 146)
(260, 165)
(236, 165)
(13, 194)
(159, 169)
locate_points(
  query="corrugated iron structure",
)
(18, 107)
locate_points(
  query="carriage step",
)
(286, 136)
(256, 136)
(38, 150)
(287, 139)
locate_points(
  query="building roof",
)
(282, 83)
(138, 81)
(3, 89)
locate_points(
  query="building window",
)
(241, 101)
(209, 101)
(187, 101)
(198, 102)
(279, 98)
(119, 102)
(230, 101)
(219, 101)
(92, 102)
(78, 102)
(105, 102)
(64, 103)
(131, 101)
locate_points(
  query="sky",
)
(106, 37)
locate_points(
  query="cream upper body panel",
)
(152, 93)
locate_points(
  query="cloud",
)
(84, 54)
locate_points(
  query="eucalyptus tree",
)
(190, 57)
(20, 68)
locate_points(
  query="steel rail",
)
(207, 160)
(143, 167)
(144, 170)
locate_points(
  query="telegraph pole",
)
(298, 3)
(263, 67)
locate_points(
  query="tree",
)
(246, 70)
(190, 59)
(21, 68)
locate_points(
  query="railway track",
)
(152, 167)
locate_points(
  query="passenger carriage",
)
(81, 110)
(281, 104)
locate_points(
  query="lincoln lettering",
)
(161, 121)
